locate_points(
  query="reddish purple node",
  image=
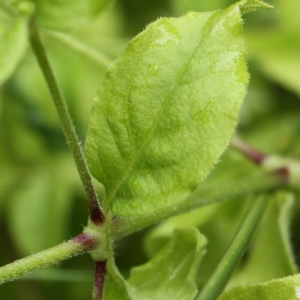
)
(96, 215)
(86, 240)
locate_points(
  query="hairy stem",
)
(221, 276)
(51, 256)
(96, 214)
(100, 270)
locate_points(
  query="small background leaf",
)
(67, 14)
(13, 37)
(169, 275)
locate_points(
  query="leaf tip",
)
(247, 6)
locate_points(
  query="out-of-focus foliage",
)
(13, 36)
(41, 199)
(36, 171)
(67, 14)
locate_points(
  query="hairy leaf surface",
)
(167, 109)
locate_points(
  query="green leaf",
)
(13, 40)
(280, 289)
(67, 14)
(167, 109)
(170, 275)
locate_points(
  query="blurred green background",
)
(41, 199)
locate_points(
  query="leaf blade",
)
(148, 111)
(175, 264)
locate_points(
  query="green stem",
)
(59, 275)
(96, 214)
(54, 255)
(221, 276)
(74, 44)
